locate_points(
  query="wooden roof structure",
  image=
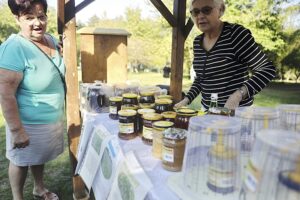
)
(67, 29)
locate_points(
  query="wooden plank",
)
(72, 106)
(60, 18)
(82, 5)
(178, 39)
(188, 27)
(164, 11)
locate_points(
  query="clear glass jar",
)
(140, 114)
(158, 128)
(114, 107)
(163, 105)
(183, 116)
(147, 97)
(129, 98)
(127, 124)
(148, 120)
(174, 140)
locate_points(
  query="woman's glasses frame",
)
(206, 10)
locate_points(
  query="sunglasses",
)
(205, 11)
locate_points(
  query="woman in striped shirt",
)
(227, 60)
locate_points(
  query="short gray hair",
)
(219, 3)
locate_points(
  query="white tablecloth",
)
(151, 165)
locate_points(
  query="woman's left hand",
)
(234, 100)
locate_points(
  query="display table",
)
(151, 165)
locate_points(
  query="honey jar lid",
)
(165, 96)
(152, 116)
(129, 107)
(169, 114)
(127, 113)
(186, 111)
(145, 110)
(147, 93)
(163, 124)
(163, 101)
(129, 95)
(174, 133)
(146, 105)
(116, 99)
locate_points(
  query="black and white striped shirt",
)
(235, 60)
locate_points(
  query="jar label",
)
(113, 110)
(147, 133)
(168, 154)
(220, 179)
(126, 128)
(252, 177)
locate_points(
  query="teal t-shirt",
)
(40, 95)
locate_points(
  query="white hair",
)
(219, 3)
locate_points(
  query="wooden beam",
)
(60, 18)
(188, 27)
(178, 39)
(72, 106)
(164, 11)
(82, 5)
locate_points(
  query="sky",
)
(111, 8)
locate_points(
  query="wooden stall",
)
(103, 54)
(67, 28)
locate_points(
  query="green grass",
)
(58, 172)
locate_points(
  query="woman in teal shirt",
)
(32, 92)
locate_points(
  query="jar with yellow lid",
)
(158, 128)
(146, 105)
(183, 116)
(127, 124)
(148, 120)
(140, 114)
(129, 98)
(165, 96)
(222, 162)
(163, 105)
(129, 107)
(174, 140)
(169, 116)
(147, 97)
(114, 107)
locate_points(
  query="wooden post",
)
(72, 107)
(178, 39)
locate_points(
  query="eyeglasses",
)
(30, 19)
(205, 11)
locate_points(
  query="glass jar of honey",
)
(174, 140)
(140, 114)
(127, 124)
(147, 97)
(129, 107)
(163, 105)
(183, 116)
(129, 98)
(158, 128)
(114, 107)
(169, 116)
(148, 120)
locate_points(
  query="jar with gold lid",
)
(129, 107)
(140, 114)
(163, 105)
(174, 140)
(127, 124)
(165, 96)
(147, 97)
(158, 128)
(169, 116)
(183, 116)
(129, 98)
(148, 120)
(146, 105)
(114, 107)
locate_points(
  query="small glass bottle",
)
(213, 107)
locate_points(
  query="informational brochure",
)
(131, 181)
(110, 160)
(89, 166)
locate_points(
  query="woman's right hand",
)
(181, 103)
(19, 138)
